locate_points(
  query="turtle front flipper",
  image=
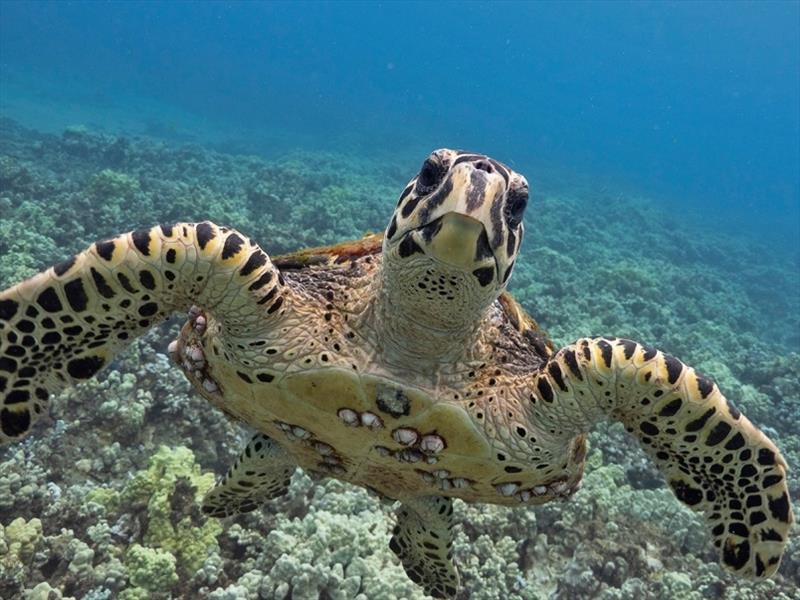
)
(261, 472)
(714, 459)
(422, 540)
(65, 324)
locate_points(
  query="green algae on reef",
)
(102, 502)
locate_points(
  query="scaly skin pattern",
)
(396, 363)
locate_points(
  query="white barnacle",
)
(460, 482)
(427, 477)
(507, 489)
(431, 460)
(348, 416)
(300, 433)
(410, 455)
(524, 495)
(195, 353)
(200, 324)
(173, 347)
(405, 436)
(323, 448)
(540, 490)
(382, 450)
(445, 484)
(442, 473)
(371, 420)
(432, 444)
(209, 386)
(559, 488)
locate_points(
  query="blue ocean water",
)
(696, 103)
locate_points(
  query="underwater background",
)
(662, 145)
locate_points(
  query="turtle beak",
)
(457, 240)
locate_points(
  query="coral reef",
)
(103, 500)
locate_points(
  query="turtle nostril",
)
(483, 165)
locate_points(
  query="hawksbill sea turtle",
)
(398, 363)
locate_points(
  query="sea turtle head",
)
(458, 224)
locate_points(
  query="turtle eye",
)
(516, 201)
(429, 175)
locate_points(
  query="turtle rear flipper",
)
(261, 472)
(65, 324)
(422, 540)
(714, 459)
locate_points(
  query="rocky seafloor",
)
(102, 501)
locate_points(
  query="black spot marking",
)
(671, 408)
(555, 372)
(408, 247)
(148, 309)
(766, 457)
(572, 362)
(409, 206)
(105, 290)
(511, 243)
(86, 367)
(244, 377)
(769, 480)
(648, 428)
(649, 352)
(261, 282)
(436, 199)
(719, 433)
(704, 385)
(700, 422)
(628, 347)
(484, 275)
(606, 350)
(17, 397)
(147, 280)
(257, 259)
(25, 326)
(544, 389)
(748, 471)
(171, 255)
(205, 233)
(64, 266)
(14, 423)
(265, 377)
(685, 493)
(738, 528)
(736, 555)
(51, 337)
(507, 274)
(674, 368)
(141, 239)
(780, 508)
(76, 295)
(233, 244)
(483, 250)
(49, 300)
(105, 250)
(477, 189)
(8, 308)
(9, 365)
(770, 535)
(126, 283)
(736, 442)
(166, 230)
(392, 229)
(275, 306)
